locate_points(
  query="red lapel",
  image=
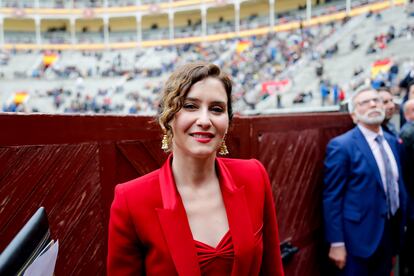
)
(174, 224)
(239, 221)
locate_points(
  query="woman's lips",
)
(202, 137)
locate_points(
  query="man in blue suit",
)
(364, 198)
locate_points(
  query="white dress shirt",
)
(370, 137)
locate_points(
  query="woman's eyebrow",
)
(198, 100)
(192, 99)
(219, 102)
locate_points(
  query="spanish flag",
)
(49, 59)
(242, 46)
(382, 65)
(20, 97)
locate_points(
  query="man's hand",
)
(338, 255)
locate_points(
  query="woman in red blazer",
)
(198, 214)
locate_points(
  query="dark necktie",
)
(392, 195)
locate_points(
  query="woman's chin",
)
(202, 153)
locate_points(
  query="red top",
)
(216, 261)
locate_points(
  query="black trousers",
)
(407, 252)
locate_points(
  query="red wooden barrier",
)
(70, 165)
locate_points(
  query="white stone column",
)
(106, 30)
(38, 33)
(138, 18)
(271, 14)
(1, 32)
(171, 23)
(73, 30)
(308, 10)
(203, 20)
(348, 7)
(237, 15)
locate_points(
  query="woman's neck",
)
(193, 172)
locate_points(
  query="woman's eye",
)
(189, 106)
(217, 109)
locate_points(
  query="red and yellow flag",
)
(49, 58)
(382, 65)
(242, 46)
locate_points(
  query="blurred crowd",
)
(249, 61)
(138, 75)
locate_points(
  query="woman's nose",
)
(203, 119)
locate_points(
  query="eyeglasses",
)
(376, 100)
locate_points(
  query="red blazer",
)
(149, 232)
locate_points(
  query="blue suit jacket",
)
(354, 199)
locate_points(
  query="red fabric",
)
(216, 261)
(341, 95)
(149, 233)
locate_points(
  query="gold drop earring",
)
(223, 148)
(164, 143)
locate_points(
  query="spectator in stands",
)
(335, 94)
(331, 51)
(409, 93)
(324, 90)
(303, 97)
(364, 197)
(407, 131)
(341, 96)
(390, 34)
(378, 16)
(407, 80)
(358, 71)
(191, 217)
(319, 68)
(379, 80)
(389, 107)
(354, 43)
(407, 136)
(372, 48)
(393, 74)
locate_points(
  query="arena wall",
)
(70, 164)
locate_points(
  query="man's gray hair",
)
(406, 104)
(364, 88)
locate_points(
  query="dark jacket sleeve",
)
(407, 136)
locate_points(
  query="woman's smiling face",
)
(200, 125)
